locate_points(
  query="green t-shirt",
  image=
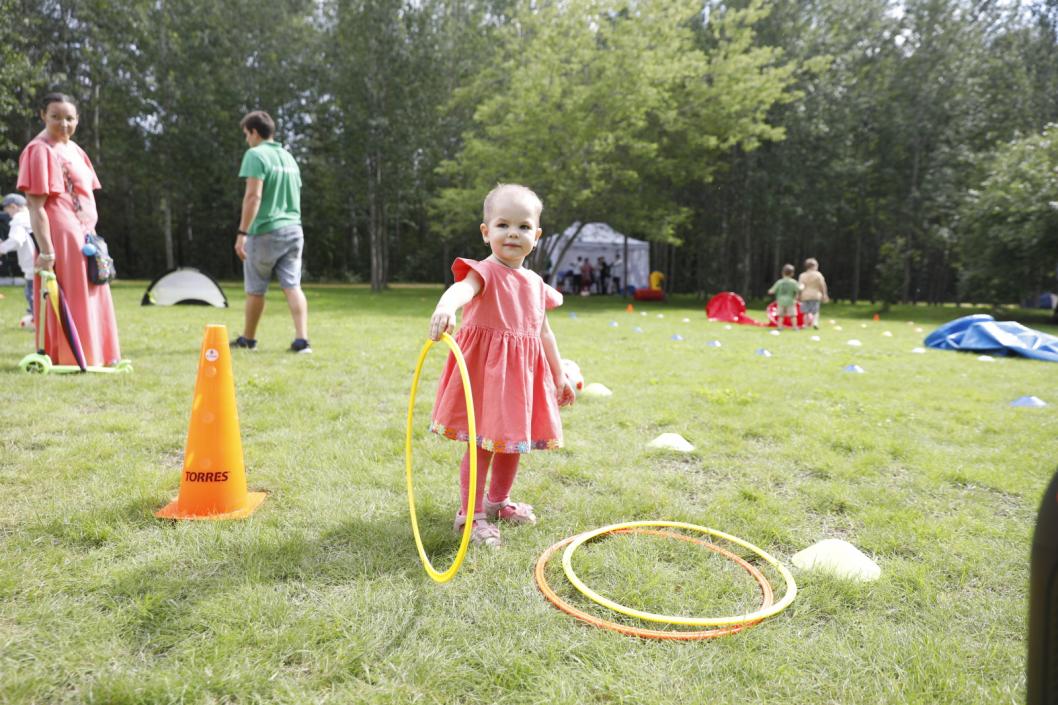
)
(281, 197)
(785, 291)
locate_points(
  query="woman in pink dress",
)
(511, 356)
(58, 179)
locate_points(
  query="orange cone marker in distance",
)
(877, 317)
(629, 309)
(213, 481)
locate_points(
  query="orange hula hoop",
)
(767, 595)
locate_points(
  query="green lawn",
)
(320, 597)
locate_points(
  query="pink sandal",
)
(510, 512)
(483, 532)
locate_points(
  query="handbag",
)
(100, 264)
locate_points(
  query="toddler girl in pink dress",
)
(511, 356)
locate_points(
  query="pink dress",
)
(71, 210)
(514, 393)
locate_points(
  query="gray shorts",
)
(810, 306)
(786, 311)
(278, 251)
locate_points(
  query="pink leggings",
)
(504, 468)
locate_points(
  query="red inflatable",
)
(729, 307)
(647, 294)
(773, 321)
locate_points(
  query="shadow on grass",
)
(375, 547)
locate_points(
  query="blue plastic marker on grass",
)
(714, 343)
(853, 368)
(763, 353)
(1031, 402)
(677, 336)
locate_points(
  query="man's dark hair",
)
(260, 122)
(56, 98)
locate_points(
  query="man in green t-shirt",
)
(786, 290)
(270, 239)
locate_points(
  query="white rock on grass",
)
(595, 390)
(838, 558)
(671, 441)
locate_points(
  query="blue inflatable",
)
(983, 334)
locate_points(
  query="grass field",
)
(320, 597)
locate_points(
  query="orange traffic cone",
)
(213, 482)
(629, 308)
(877, 317)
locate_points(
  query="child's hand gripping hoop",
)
(468, 527)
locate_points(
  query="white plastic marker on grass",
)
(677, 337)
(613, 324)
(686, 320)
(775, 332)
(887, 334)
(1029, 402)
(918, 330)
(838, 558)
(671, 441)
(985, 358)
(838, 328)
(815, 338)
(853, 368)
(637, 329)
(855, 343)
(595, 390)
(714, 343)
(661, 315)
(918, 351)
(727, 327)
(762, 352)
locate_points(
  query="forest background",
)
(908, 146)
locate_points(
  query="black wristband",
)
(241, 232)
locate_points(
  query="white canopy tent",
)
(600, 240)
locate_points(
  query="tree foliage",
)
(882, 138)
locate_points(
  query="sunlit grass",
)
(320, 597)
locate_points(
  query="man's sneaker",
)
(243, 342)
(300, 345)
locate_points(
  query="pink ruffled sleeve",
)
(39, 171)
(552, 297)
(95, 179)
(462, 266)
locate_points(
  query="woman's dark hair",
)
(56, 98)
(260, 122)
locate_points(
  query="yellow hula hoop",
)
(472, 436)
(763, 613)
